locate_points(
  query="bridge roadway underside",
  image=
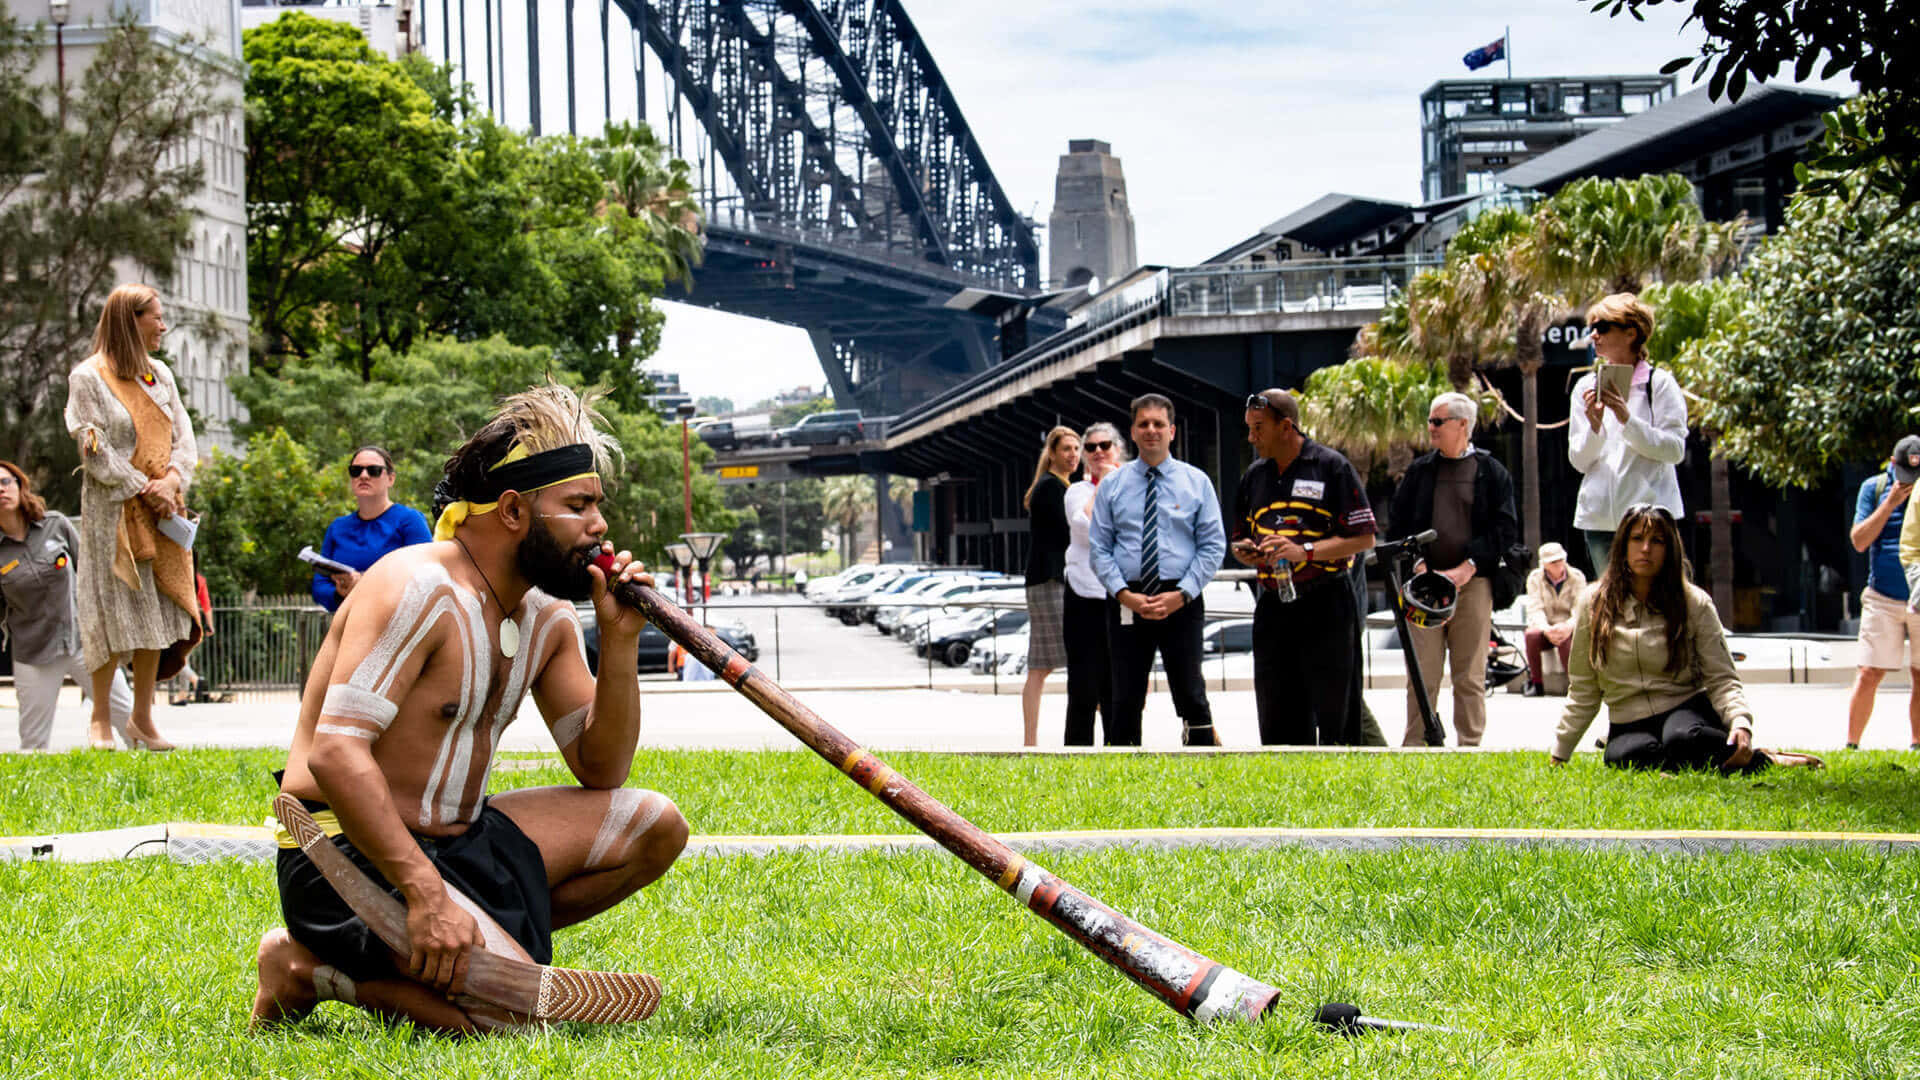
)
(988, 443)
(877, 319)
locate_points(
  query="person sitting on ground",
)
(1552, 588)
(376, 526)
(1648, 643)
(428, 659)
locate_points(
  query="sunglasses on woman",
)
(1605, 326)
(1103, 444)
(375, 471)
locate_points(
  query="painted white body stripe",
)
(630, 813)
(440, 802)
(349, 702)
(568, 729)
(343, 729)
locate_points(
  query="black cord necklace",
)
(509, 631)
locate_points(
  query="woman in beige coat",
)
(1648, 644)
(136, 589)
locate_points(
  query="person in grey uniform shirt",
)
(38, 549)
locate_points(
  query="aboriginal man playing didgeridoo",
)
(424, 666)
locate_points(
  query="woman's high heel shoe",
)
(139, 740)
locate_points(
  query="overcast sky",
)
(1225, 117)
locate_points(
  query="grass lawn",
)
(794, 792)
(1558, 963)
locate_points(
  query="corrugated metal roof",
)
(1668, 135)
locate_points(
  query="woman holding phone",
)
(1629, 427)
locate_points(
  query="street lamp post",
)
(57, 10)
(704, 544)
(682, 557)
(685, 411)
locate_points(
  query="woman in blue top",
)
(380, 525)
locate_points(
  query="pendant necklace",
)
(509, 631)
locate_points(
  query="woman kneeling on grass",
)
(1648, 643)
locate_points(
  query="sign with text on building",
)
(739, 472)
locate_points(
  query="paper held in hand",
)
(179, 528)
(322, 563)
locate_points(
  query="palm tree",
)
(1595, 237)
(648, 188)
(1373, 409)
(847, 501)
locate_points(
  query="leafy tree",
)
(76, 200)
(760, 508)
(422, 405)
(258, 511)
(1820, 362)
(1871, 40)
(789, 415)
(714, 406)
(346, 154)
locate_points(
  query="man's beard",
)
(551, 568)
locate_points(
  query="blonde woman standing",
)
(1625, 446)
(136, 589)
(1089, 677)
(1046, 569)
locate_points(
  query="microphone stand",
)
(1390, 555)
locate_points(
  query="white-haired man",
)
(1466, 497)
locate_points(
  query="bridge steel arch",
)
(833, 119)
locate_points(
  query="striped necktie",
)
(1150, 531)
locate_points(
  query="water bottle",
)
(1283, 581)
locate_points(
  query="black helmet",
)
(1429, 599)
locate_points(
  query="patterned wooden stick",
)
(519, 986)
(1188, 982)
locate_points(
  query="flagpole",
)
(1509, 51)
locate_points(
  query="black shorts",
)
(493, 864)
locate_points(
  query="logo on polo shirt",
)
(1309, 489)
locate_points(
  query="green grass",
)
(789, 792)
(1802, 964)
(1559, 964)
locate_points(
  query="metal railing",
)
(1315, 285)
(261, 646)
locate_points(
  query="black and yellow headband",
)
(518, 471)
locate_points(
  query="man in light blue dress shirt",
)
(1156, 540)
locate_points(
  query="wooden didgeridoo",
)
(518, 986)
(1188, 982)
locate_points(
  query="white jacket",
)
(1631, 463)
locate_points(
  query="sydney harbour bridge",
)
(845, 193)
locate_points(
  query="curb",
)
(190, 843)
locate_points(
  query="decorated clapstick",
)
(519, 986)
(1188, 982)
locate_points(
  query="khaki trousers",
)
(1462, 646)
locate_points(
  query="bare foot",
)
(286, 979)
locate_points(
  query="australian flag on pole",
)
(1487, 54)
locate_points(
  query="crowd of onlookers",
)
(1125, 538)
(1120, 556)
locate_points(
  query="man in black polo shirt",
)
(1303, 504)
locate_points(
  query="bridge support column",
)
(839, 379)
